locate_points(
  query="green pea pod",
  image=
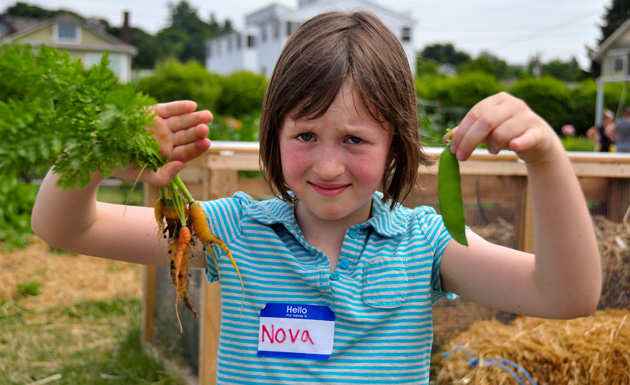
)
(450, 196)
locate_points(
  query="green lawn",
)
(88, 343)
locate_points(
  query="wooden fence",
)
(494, 188)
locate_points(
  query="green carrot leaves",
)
(450, 196)
(55, 113)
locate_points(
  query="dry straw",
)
(585, 351)
(65, 278)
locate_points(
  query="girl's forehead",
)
(348, 99)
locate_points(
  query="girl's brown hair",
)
(324, 52)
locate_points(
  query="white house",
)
(257, 47)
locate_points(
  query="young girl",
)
(340, 278)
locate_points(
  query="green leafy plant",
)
(15, 211)
(78, 121)
(28, 287)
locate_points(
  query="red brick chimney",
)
(126, 29)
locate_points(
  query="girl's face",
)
(334, 164)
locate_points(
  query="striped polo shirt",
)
(379, 294)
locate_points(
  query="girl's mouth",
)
(329, 189)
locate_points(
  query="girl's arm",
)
(73, 220)
(563, 277)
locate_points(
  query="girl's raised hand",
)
(503, 121)
(182, 134)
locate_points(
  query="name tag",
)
(296, 331)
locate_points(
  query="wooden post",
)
(618, 199)
(149, 282)
(209, 338)
(525, 218)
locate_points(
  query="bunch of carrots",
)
(183, 224)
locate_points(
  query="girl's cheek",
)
(294, 162)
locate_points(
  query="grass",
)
(124, 193)
(88, 343)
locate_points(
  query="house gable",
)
(82, 40)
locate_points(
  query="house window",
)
(291, 27)
(276, 30)
(67, 33)
(620, 65)
(251, 41)
(406, 34)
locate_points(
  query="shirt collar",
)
(387, 222)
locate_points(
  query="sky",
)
(513, 30)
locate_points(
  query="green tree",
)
(569, 71)
(548, 97)
(444, 54)
(186, 36)
(614, 16)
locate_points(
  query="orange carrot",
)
(182, 259)
(202, 231)
(159, 212)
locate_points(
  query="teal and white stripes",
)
(381, 292)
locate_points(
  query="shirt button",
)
(344, 263)
(353, 234)
(334, 276)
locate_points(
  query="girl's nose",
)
(329, 163)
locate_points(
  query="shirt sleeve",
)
(224, 217)
(433, 227)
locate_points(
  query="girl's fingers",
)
(185, 121)
(190, 135)
(187, 152)
(166, 110)
(493, 126)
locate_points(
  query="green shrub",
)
(243, 129)
(548, 97)
(176, 81)
(242, 94)
(15, 211)
(467, 89)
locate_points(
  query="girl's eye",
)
(355, 140)
(305, 137)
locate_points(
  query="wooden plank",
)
(233, 162)
(209, 332)
(223, 183)
(618, 199)
(525, 224)
(149, 281)
(149, 301)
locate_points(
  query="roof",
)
(19, 27)
(610, 41)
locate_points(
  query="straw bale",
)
(614, 247)
(584, 351)
(65, 278)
